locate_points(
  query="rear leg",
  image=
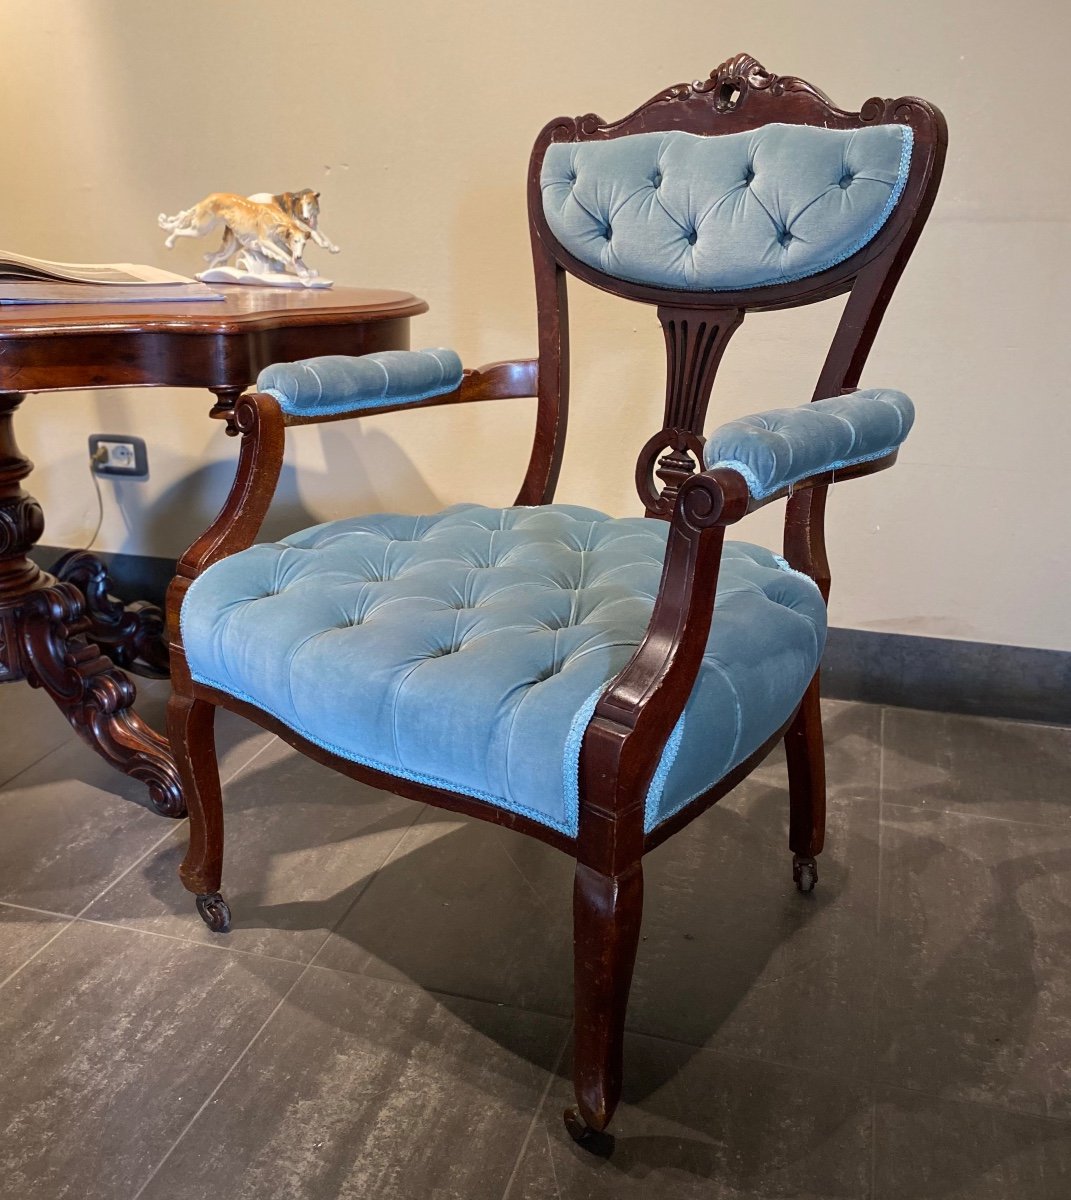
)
(226, 249)
(191, 222)
(805, 751)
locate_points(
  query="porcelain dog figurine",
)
(271, 241)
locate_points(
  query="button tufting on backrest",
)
(693, 237)
(732, 183)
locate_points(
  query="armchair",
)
(595, 682)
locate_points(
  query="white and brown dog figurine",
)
(267, 235)
(303, 208)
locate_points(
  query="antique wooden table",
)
(63, 632)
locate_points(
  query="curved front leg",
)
(95, 696)
(190, 726)
(607, 912)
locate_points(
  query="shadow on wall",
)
(363, 471)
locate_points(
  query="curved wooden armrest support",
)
(511, 379)
(638, 711)
(805, 534)
(259, 422)
(505, 380)
(262, 425)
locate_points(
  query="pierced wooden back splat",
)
(739, 95)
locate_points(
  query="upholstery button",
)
(784, 237)
(749, 175)
(693, 237)
(846, 180)
(608, 232)
(656, 179)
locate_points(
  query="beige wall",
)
(415, 119)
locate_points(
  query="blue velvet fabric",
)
(468, 649)
(335, 384)
(775, 449)
(728, 212)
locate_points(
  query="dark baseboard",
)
(981, 678)
(940, 674)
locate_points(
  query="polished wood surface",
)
(220, 345)
(625, 739)
(65, 634)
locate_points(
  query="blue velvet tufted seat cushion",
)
(775, 449)
(468, 649)
(735, 211)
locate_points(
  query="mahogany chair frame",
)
(633, 719)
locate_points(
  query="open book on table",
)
(25, 280)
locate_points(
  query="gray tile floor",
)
(389, 1017)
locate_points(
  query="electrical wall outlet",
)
(118, 454)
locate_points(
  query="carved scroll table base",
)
(45, 639)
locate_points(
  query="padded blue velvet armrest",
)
(337, 384)
(775, 449)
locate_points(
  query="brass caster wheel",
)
(214, 912)
(804, 873)
(594, 1141)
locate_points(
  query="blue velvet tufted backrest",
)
(743, 210)
(739, 193)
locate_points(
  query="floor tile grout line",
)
(858, 1078)
(69, 921)
(388, 857)
(252, 1041)
(987, 1106)
(553, 1168)
(846, 1077)
(881, 811)
(44, 946)
(44, 912)
(123, 874)
(976, 816)
(226, 1075)
(173, 826)
(30, 766)
(836, 1076)
(219, 946)
(872, 1015)
(540, 1103)
(248, 762)
(80, 918)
